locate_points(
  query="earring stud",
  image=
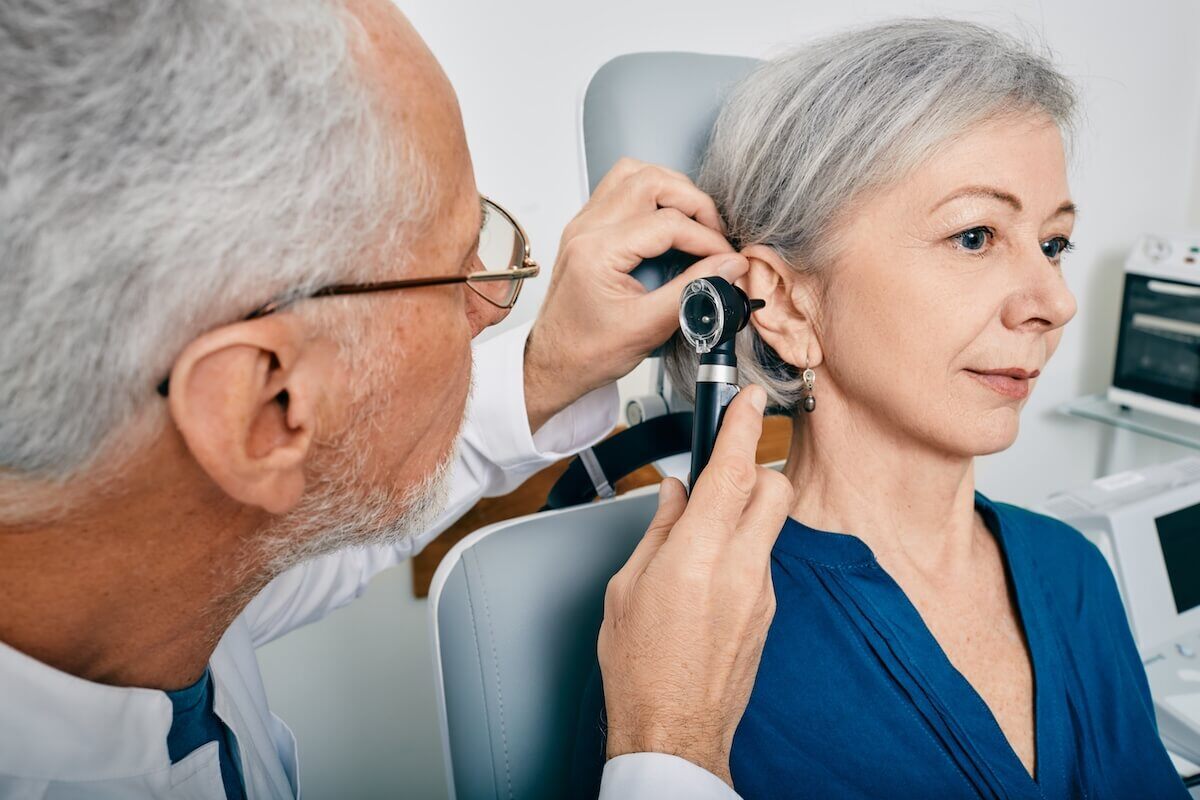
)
(809, 378)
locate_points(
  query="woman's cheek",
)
(1052, 340)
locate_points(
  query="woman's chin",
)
(996, 431)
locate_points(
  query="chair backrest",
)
(515, 609)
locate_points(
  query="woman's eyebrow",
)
(980, 191)
(998, 194)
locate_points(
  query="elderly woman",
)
(901, 192)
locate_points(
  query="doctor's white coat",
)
(63, 737)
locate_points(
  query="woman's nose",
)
(1042, 300)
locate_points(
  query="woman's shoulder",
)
(1073, 573)
(1051, 541)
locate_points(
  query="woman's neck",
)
(913, 506)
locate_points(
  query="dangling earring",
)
(810, 379)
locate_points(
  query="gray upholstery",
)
(655, 107)
(515, 611)
(515, 608)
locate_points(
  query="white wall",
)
(356, 688)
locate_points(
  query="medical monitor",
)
(1147, 525)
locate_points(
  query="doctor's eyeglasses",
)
(502, 263)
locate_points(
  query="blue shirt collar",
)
(846, 550)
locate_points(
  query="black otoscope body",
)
(711, 312)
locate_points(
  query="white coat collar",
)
(56, 726)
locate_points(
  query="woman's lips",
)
(1012, 382)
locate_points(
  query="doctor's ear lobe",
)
(782, 323)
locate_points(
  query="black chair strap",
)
(596, 471)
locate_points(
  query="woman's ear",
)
(786, 323)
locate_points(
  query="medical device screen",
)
(1179, 535)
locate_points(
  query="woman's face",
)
(947, 296)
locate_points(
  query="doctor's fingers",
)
(627, 169)
(746, 558)
(652, 234)
(672, 501)
(757, 613)
(763, 518)
(643, 191)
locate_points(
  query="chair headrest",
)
(655, 107)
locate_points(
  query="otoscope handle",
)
(716, 386)
(712, 398)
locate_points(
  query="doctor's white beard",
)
(346, 504)
(338, 512)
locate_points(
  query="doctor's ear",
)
(787, 322)
(245, 399)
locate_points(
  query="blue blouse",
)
(855, 698)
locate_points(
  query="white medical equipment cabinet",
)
(1157, 367)
(1147, 524)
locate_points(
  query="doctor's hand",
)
(598, 323)
(686, 618)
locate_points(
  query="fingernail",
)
(758, 398)
(732, 268)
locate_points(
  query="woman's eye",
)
(1054, 248)
(973, 239)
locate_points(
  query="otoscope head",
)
(712, 311)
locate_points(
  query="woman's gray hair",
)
(803, 135)
(166, 167)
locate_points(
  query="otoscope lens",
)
(700, 316)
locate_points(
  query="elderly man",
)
(242, 259)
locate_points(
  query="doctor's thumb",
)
(672, 502)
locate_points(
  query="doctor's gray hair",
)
(804, 135)
(167, 167)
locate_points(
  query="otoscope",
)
(711, 312)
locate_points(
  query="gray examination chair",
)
(515, 607)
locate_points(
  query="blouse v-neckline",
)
(961, 704)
